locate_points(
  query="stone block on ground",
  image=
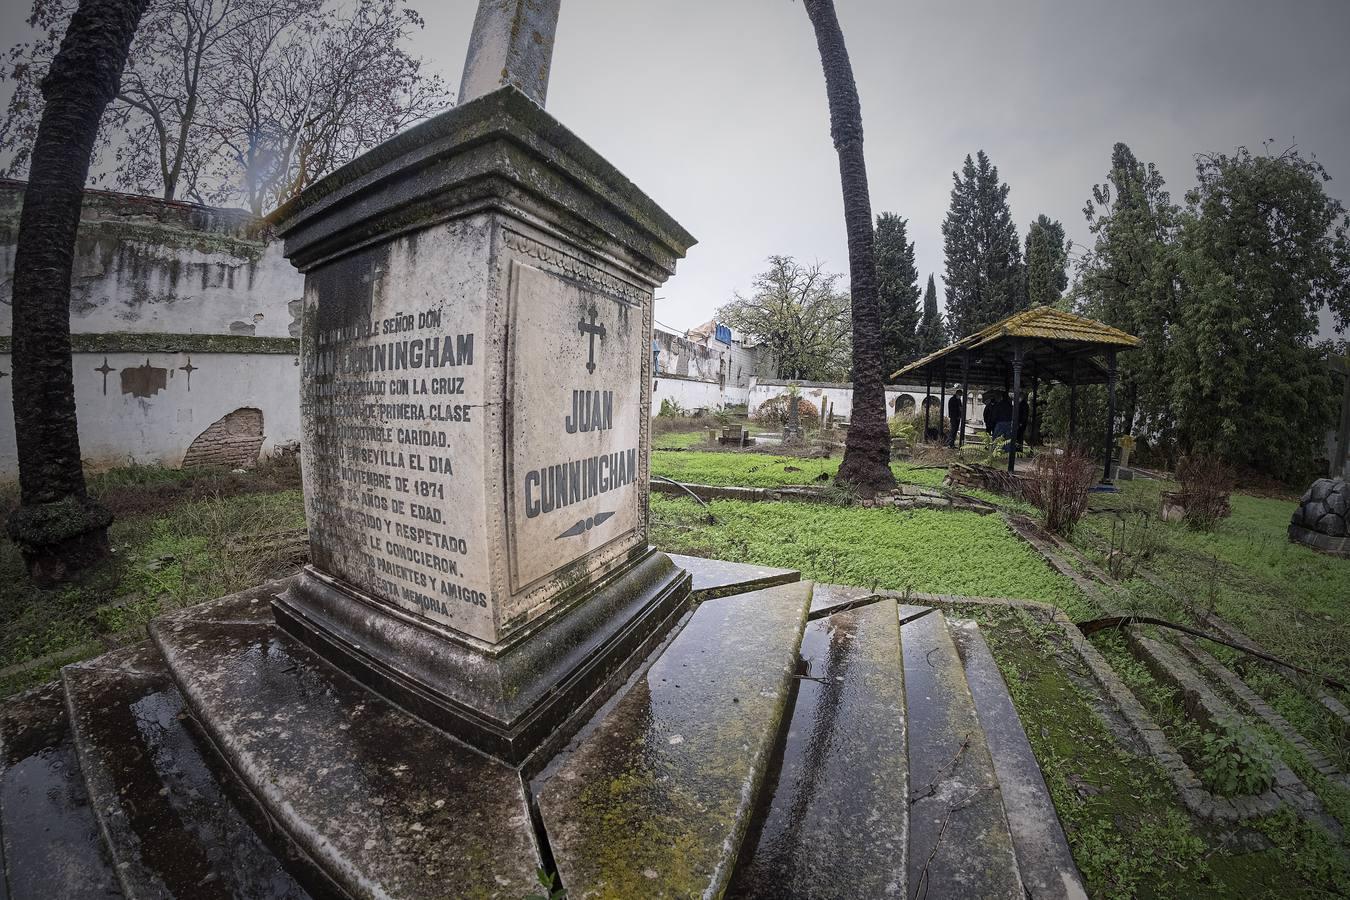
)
(655, 795)
(171, 827)
(959, 841)
(837, 823)
(51, 842)
(384, 804)
(717, 578)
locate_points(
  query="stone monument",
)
(476, 387)
(532, 687)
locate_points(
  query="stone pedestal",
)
(476, 388)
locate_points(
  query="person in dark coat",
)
(956, 413)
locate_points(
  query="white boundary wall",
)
(118, 428)
(693, 394)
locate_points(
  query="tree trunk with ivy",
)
(58, 527)
(867, 448)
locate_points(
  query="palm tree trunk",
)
(867, 448)
(60, 530)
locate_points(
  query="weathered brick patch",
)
(231, 442)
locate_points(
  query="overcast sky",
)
(716, 108)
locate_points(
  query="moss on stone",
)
(49, 524)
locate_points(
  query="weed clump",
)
(1059, 486)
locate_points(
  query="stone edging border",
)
(1253, 701)
(905, 497)
(1197, 799)
(1288, 789)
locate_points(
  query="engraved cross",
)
(593, 330)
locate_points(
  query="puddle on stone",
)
(52, 843)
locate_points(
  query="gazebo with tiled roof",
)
(1043, 343)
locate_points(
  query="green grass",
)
(923, 550)
(1130, 835)
(765, 470)
(184, 553)
(679, 440)
(1286, 596)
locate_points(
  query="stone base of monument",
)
(785, 739)
(505, 699)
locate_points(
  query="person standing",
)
(956, 413)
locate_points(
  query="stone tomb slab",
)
(654, 797)
(717, 578)
(959, 842)
(52, 846)
(1043, 857)
(838, 821)
(171, 827)
(384, 804)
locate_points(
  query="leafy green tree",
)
(800, 315)
(1262, 248)
(984, 255)
(897, 289)
(932, 333)
(1128, 280)
(1047, 273)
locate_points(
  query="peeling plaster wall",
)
(145, 267)
(156, 426)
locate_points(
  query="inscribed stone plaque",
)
(393, 392)
(575, 425)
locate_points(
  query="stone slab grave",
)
(486, 670)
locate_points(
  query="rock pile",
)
(1322, 519)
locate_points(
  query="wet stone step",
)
(384, 804)
(1043, 857)
(718, 578)
(959, 843)
(169, 824)
(51, 842)
(654, 797)
(837, 822)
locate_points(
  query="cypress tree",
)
(932, 333)
(897, 289)
(1047, 262)
(1129, 280)
(984, 255)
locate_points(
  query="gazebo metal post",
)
(1073, 401)
(1016, 402)
(942, 405)
(1110, 411)
(965, 397)
(927, 392)
(1034, 425)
